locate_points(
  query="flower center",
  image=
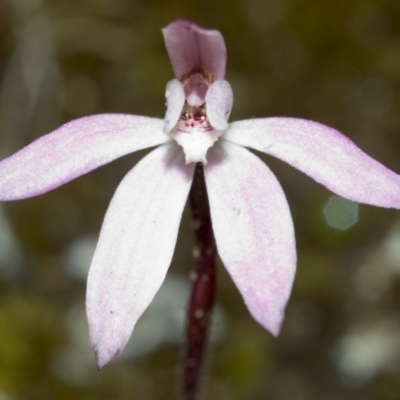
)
(194, 114)
(197, 111)
(194, 118)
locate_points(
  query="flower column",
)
(199, 102)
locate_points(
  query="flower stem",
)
(203, 289)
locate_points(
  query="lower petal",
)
(253, 230)
(135, 248)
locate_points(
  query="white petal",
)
(219, 101)
(135, 247)
(253, 230)
(74, 149)
(175, 95)
(324, 154)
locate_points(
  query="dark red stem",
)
(202, 295)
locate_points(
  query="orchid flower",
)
(251, 220)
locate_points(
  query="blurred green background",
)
(336, 62)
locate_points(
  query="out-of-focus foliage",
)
(337, 62)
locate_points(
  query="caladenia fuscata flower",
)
(250, 217)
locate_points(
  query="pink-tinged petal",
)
(175, 95)
(219, 101)
(324, 154)
(135, 247)
(74, 149)
(190, 45)
(253, 230)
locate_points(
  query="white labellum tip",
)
(196, 143)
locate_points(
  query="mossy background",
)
(336, 62)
